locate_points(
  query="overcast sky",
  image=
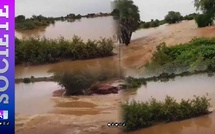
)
(157, 9)
(149, 9)
(61, 7)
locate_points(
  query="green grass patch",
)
(44, 50)
(196, 55)
(138, 115)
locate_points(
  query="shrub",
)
(196, 55)
(75, 84)
(134, 82)
(27, 80)
(173, 17)
(43, 50)
(138, 115)
(203, 20)
(79, 82)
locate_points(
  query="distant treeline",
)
(171, 17)
(43, 50)
(23, 23)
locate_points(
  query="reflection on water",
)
(180, 87)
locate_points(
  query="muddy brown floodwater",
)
(180, 88)
(39, 113)
(85, 28)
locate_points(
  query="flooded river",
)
(180, 88)
(85, 28)
(37, 112)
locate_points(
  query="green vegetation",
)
(203, 20)
(23, 23)
(127, 20)
(43, 50)
(26, 80)
(138, 115)
(151, 24)
(190, 16)
(196, 55)
(32, 79)
(208, 9)
(135, 82)
(173, 17)
(170, 18)
(84, 81)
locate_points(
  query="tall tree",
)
(206, 6)
(208, 9)
(127, 17)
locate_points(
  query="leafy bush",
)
(83, 79)
(190, 16)
(152, 23)
(135, 82)
(203, 20)
(75, 84)
(43, 50)
(196, 55)
(173, 17)
(138, 115)
(82, 82)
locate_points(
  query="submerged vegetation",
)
(43, 50)
(138, 115)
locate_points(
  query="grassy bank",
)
(196, 55)
(43, 50)
(138, 115)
